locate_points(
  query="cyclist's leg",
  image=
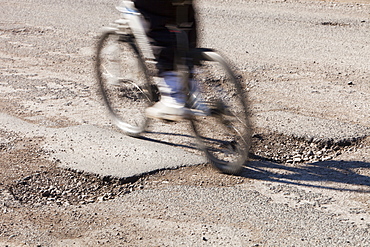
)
(163, 40)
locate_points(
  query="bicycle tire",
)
(124, 82)
(224, 134)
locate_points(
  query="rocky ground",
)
(294, 192)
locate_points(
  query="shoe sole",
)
(168, 117)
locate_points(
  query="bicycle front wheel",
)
(123, 81)
(224, 131)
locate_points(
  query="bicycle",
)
(126, 76)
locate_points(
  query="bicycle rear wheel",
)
(224, 132)
(123, 81)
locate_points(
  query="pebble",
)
(297, 159)
(326, 158)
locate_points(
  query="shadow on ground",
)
(334, 175)
(161, 137)
(339, 172)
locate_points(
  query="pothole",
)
(280, 148)
(66, 187)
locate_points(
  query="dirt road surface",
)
(306, 67)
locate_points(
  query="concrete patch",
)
(104, 152)
(111, 153)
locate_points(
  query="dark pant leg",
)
(158, 14)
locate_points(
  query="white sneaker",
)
(165, 112)
(172, 104)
